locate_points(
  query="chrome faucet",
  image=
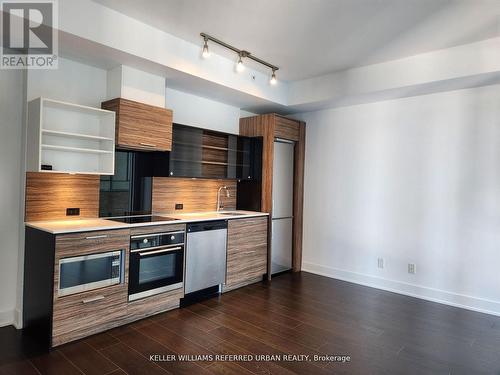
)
(218, 196)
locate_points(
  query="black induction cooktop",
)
(142, 219)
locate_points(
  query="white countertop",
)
(87, 225)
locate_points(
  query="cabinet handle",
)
(147, 144)
(93, 299)
(96, 237)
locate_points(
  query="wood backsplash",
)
(194, 194)
(48, 195)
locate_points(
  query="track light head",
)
(273, 79)
(240, 66)
(206, 52)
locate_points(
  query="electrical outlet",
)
(380, 262)
(72, 211)
(412, 268)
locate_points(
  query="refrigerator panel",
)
(281, 245)
(283, 179)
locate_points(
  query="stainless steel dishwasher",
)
(205, 255)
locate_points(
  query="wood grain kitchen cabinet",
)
(269, 127)
(246, 251)
(286, 128)
(56, 307)
(141, 126)
(84, 313)
(73, 287)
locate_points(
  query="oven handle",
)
(160, 251)
(156, 248)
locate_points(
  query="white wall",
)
(244, 113)
(72, 82)
(201, 112)
(413, 180)
(11, 131)
(133, 84)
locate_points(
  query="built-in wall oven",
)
(156, 263)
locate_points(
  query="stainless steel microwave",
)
(89, 272)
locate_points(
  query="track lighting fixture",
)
(206, 52)
(240, 67)
(273, 79)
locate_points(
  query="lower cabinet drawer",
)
(80, 315)
(91, 242)
(142, 308)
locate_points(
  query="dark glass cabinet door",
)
(128, 191)
(203, 153)
(251, 158)
(186, 154)
(246, 159)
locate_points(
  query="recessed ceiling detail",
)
(310, 38)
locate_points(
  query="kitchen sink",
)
(231, 213)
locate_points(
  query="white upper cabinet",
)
(70, 138)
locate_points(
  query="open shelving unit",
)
(70, 138)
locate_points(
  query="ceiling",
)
(308, 38)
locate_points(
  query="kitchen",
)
(266, 187)
(172, 217)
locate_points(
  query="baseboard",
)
(18, 319)
(7, 318)
(435, 295)
(11, 317)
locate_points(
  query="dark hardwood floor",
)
(297, 314)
